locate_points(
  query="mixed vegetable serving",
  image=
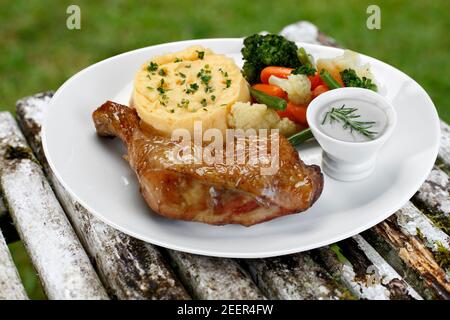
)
(286, 78)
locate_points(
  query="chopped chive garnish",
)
(162, 72)
(152, 66)
(201, 54)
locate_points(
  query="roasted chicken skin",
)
(210, 193)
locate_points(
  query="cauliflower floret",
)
(349, 60)
(244, 115)
(297, 86)
(287, 127)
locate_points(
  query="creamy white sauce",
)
(366, 111)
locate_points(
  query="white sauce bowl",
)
(344, 160)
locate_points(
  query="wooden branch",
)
(214, 278)
(11, 287)
(63, 266)
(129, 268)
(444, 148)
(407, 240)
(434, 197)
(414, 223)
(295, 277)
(364, 271)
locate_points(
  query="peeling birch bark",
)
(11, 287)
(404, 241)
(295, 277)
(364, 271)
(214, 278)
(434, 196)
(60, 260)
(444, 148)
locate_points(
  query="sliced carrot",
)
(284, 114)
(280, 72)
(315, 80)
(271, 90)
(319, 90)
(294, 112)
(298, 112)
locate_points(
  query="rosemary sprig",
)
(347, 117)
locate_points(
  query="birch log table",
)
(79, 257)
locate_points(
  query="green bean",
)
(300, 137)
(270, 101)
(329, 80)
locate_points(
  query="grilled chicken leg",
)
(210, 193)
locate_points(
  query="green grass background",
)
(38, 52)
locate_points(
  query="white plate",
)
(92, 169)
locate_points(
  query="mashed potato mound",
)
(175, 90)
(259, 116)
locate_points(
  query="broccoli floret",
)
(305, 69)
(250, 72)
(260, 51)
(351, 79)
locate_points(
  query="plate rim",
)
(225, 253)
